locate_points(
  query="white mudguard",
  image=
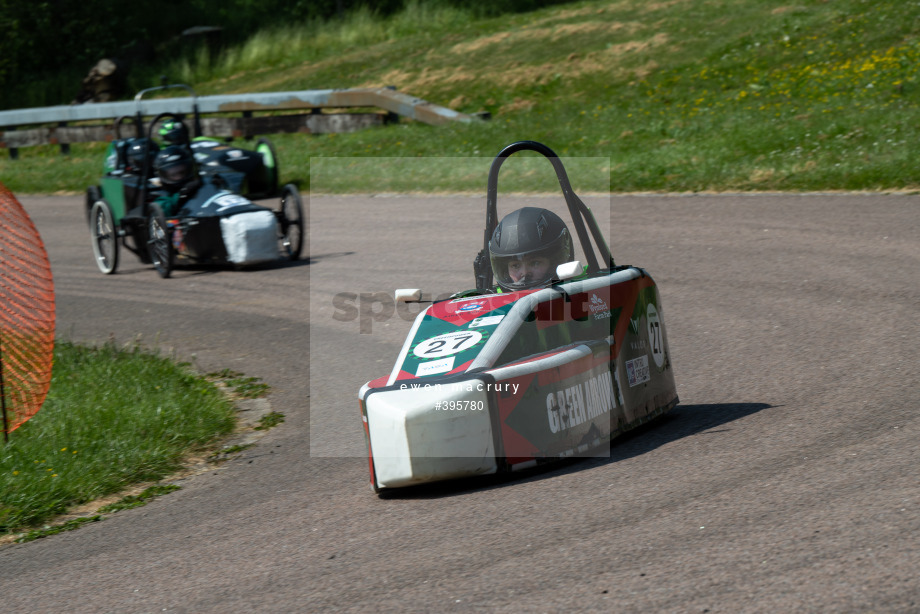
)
(250, 237)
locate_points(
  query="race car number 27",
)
(654, 335)
(447, 344)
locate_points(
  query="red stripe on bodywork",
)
(461, 368)
(379, 382)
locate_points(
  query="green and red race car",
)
(501, 379)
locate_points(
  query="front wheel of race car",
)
(105, 237)
(265, 148)
(290, 220)
(159, 241)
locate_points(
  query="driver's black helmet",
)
(134, 153)
(175, 167)
(174, 132)
(530, 232)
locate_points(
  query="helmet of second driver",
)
(174, 132)
(137, 151)
(527, 246)
(175, 167)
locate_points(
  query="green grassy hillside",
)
(679, 95)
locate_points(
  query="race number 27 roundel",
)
(26, 315)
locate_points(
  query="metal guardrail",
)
(389, 100)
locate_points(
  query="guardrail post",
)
(14, 152)
(247, 131)
(65, 147)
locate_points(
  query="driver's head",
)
(527, 246)
(175, 167)
(174, 132)
(137, 150)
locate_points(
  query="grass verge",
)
(114, 417)
(727, 95)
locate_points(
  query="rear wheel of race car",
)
(265, 148)
(159, 241)
(105, 236)
(290, 220)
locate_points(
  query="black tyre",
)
(159, 241)
(290, 222)
(105, 236)
(266, 149)
(93, 194)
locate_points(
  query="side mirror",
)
(568, 270)
(408, 295)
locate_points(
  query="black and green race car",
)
(216, 223)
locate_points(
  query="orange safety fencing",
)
(26, 315)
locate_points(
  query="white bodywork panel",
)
(412, 442)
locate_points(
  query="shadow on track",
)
(197, 269)
(320, 257)
(683, 421)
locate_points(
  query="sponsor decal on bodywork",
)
(558, 409)
(435, 366)
(471, 307)
(581, 402)
(486, 321)
(598, 307)
(637, 371)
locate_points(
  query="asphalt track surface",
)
(786, 480)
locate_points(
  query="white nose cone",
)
(430, 433)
